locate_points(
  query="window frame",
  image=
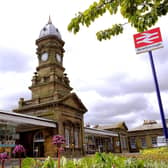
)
(67, 137)
(133, 142)
(143, 142)
(154, 139)
(76, 138)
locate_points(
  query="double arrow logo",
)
(147, 38)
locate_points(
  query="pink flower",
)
(19, 149)
(4, 156)
(58, 140)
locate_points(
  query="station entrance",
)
(25, 130)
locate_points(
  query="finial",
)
(49, 20)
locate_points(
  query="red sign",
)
(148, 40)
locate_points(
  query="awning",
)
(99, 132)
(17, 119)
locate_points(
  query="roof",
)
(78, 100)
(147, 126)
(113, 126)
(99, 132)
(22, 119)
(30, 103)
(49, 29)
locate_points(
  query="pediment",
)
(73, 101)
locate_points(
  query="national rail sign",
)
(148, 40)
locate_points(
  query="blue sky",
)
(113, 82)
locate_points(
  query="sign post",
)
(158, 95)
(145, 42)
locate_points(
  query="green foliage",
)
(49, 163)
(106, 34)
(132, 163)
(99, 160)
(108, 160)
(161, 150)
(156, 154)
(155, 164)
(68, 163)
(28, 162)
(35, 163)
(139, 13)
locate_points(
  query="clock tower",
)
(52, 98)
(50, 78)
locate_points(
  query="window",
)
(111, 142)
(161, 141)
(117, 143)
(133, 143)
(86, 139)
(143, 142)
(67, 137)
(154, 141)
(123, 142)
(76, 135)
(38, 137)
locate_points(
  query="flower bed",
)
(99, 160)
(149, 158)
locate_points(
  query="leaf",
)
(140, 14)
(28, 162)
(48, 163)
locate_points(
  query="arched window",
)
(38, 144)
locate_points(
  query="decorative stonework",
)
(51, 94)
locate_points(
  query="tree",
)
(141, 14)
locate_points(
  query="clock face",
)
(58, 57)
(44, 56)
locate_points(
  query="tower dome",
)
(49, 29)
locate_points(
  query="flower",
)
(58, 140)
(4, 156)
(19, 149)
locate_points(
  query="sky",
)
(113, 82)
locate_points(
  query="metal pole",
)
(158, 96)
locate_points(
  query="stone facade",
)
(145, 135)
(52, 99)
(97, 140)
(121, 142)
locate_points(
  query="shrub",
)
(99, 160)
